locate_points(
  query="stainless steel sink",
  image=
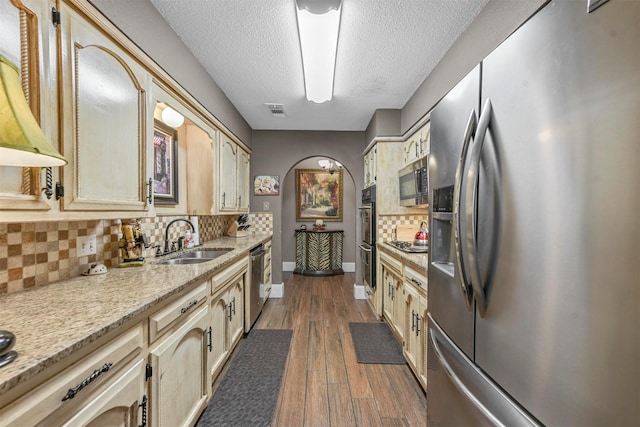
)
(204, 253)
(178, 261)
(195, 257)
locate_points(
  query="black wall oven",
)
(367, 245)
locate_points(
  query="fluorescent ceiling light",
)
(318, 27)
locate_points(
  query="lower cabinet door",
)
(180, 384)
(424, 338)
(117, 405)
(219, 348)
(412, 346)
(236, 298)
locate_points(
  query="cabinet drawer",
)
(184, 305)
(391, 262)
(416, 279)
(228, 273)
(64, 394)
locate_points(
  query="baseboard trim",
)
(358, 291)
(288, 266)
(277, 290)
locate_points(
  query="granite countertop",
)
(53, 321)
(418, 261)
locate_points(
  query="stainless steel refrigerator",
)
(534, 275)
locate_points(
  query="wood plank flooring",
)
(323, 383)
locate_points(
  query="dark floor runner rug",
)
(248, 393)
(375, 343)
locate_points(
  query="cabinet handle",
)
(143, 405)
(233, 301)
(91, 378)
(210, 332)
(150, 191)
(186, 308)
(413, 317)
(416, 282)
(224, 195)
(417, 324)
(229, 314)
(239, 201)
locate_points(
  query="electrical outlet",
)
(86, 245)
(265, 206)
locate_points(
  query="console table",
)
(319, 253)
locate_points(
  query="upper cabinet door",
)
(28, 40)
(104, 120)
(228, 169)
(243, 180)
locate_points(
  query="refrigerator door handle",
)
(491, 401)
(471, 200)
(364, 249)
(469, 133)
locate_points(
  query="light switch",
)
(265, 206)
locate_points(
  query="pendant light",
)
(22, 142)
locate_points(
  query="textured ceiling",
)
(386, 49)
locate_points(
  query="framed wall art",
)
(318, 195)
(165, 164)
(266, 185)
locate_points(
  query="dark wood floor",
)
(323, 383)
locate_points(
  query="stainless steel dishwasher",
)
(257, 277)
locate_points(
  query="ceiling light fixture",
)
(171, 117)
(330, 165)
(318, 27)
(22, 142)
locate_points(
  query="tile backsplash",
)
(387, 222)
(39, 253)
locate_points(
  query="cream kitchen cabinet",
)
(180, 385)
(415, 349)
(266, 279)
(227, 313)
(227, 310)
(106, 125)
(233, 177)
(201, 177)
(28, 41)
(122, 404)
(417, 145)
(370, 167)
(105, 385)
(392, 293)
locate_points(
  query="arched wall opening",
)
(290, 224)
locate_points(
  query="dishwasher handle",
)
(257, 252)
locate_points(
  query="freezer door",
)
(449, 120)
(560, 332)
(463, 395)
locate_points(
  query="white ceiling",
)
(386, 49)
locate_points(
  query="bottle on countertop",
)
(188, 239)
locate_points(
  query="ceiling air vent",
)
(277, 110)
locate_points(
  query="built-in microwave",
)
(414, 183)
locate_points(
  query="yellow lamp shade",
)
(22, 142)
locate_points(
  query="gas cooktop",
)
(408, 246)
